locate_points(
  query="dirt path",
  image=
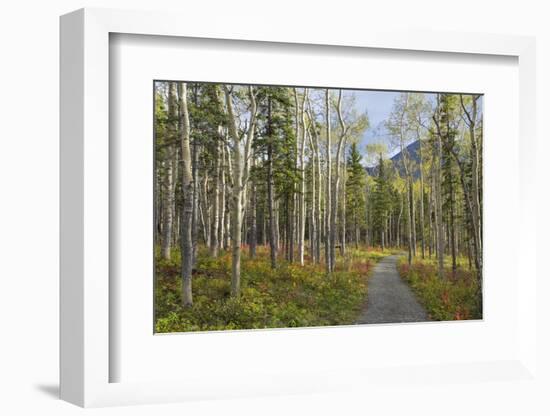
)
(390, 299)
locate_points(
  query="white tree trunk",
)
(301, 128)
(335, 191)
(241, 164)
(214, 237)
(167, 179)
(328, 193)
(187, 212)
(438, 204)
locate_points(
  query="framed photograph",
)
(284, 213)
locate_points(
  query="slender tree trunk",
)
(301, 135)
(273, 245)
(356, 228)
(195, 214)
(214, 237)
(476, 206)
(335, 192)
(167, 210)
(452, 235)
(204, 211)
(389, 231)
(167, 181)
(221, 225)
(236, 223)
(433, 226)
(438, 203)
(318, 216)
(422, 225)
(158, 208)
(240, 178)
(410, 221)
(227, 223)
(319, 207)
(343, 199)
(276, 211)
(328, 195)
(229, 184)
(188, 197)
(290, 217)
(398, 242)
(469, 249)
(253, 223)
(303, 184)
(367, 217)
(313, 213)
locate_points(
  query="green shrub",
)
(456, 297)
(289, 296)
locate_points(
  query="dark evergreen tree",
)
(355, 193)
(381, 201)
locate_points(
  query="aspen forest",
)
(282, 206)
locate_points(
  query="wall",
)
(29, 207)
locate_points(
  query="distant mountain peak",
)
(412, 151)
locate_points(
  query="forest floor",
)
(455, 297)
(368, 286)
(287, 296)
(390, 299)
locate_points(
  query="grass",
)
(288, 296)
(456, 297)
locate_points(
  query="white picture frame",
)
(85, 264)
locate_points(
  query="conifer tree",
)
(381, 201)
(355, 192)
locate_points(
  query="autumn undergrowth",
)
(288, 296)
(456, 297)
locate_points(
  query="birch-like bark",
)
(187, 211)
(273, 245)
(315, 144)
(422, 227)
(253, 223)
(301, 133)
(196, 183)
(205, 207)
(214, 237)
(328, 193)
(476, 206)
(343, 199)
(399, 220)
(335, 192)
(313, 214)
(167, 180)
(438, 200)
(229, 185)
(430, 212)
(167, 190)
(241, 153)
(410, 196)
(221, 225)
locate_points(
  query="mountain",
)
(412, 151)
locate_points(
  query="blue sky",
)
(378, 105)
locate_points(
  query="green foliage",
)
(276, 129)
(457, 297)
(382, 196)
(355, 189)
(289, 296)
(449, 131)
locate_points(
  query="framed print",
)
(237, 211)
